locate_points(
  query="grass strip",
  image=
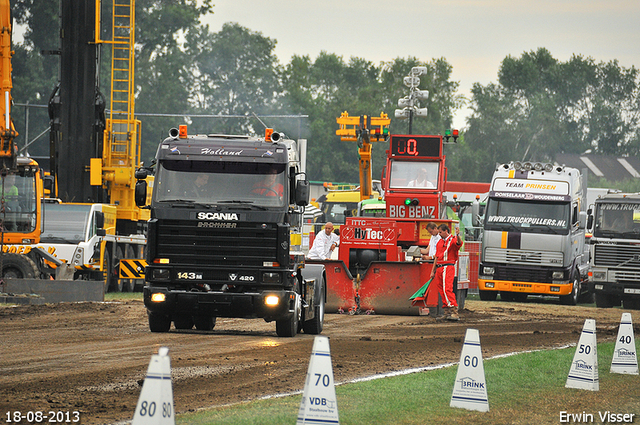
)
(526, 388)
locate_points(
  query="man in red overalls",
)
(444, 270)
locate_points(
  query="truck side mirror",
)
(48, 183)
(475, 214)
(99, 219)
(590, 222)
(99, 216)
(141, 193)
(302, 193)
(583, 220)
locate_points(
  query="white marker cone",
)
(470, 388)
(624, 356)
(155, 405)
(584, 368)
(319, 404)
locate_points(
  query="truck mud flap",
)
(385, 288)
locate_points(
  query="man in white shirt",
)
(421, 180)
(324, 244)
(429, 253)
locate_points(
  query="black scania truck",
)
(225, 234)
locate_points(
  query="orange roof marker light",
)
(182, 131)
(267, 134)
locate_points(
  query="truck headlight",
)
(488, 270)
(158, 297)
(600, 275)
(271, 300)
(78, 257)
(557, 275)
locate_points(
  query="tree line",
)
(231, 81)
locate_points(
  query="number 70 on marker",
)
(325, 380)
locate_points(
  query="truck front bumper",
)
(536, 288)
(615, 288)
(268, 304)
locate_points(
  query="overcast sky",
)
(474, 36)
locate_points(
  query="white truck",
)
(534, 234)
(615, 250)
(83, 238)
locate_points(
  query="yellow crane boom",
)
(7, 131)
(364, 130)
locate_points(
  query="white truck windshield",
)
(19, 198)
(617, 219)
(522, 216)
(65, 223)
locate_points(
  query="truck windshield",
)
(66, 223)
(203, 182)
(617, 219)
(527, 217)
(19, 198)
(413, 174)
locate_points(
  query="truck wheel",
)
(488, 295)
(116, 282)
(110, 283)
(18, 266)
(204, 323)
(572, 298)
(183, 322)
(603, 300)
(159, 322)
(289, 327)
(314, 326)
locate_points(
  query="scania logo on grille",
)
(217, 216)
(233, 276)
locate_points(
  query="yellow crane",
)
(121, 146)
(364, 129)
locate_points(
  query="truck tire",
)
(116, 282)
(488, 295)
(204, 323)
(18, 266)
(289, 327)
(572, 298)
(314, 326)
(159, 322)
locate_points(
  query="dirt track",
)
(92, 357)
